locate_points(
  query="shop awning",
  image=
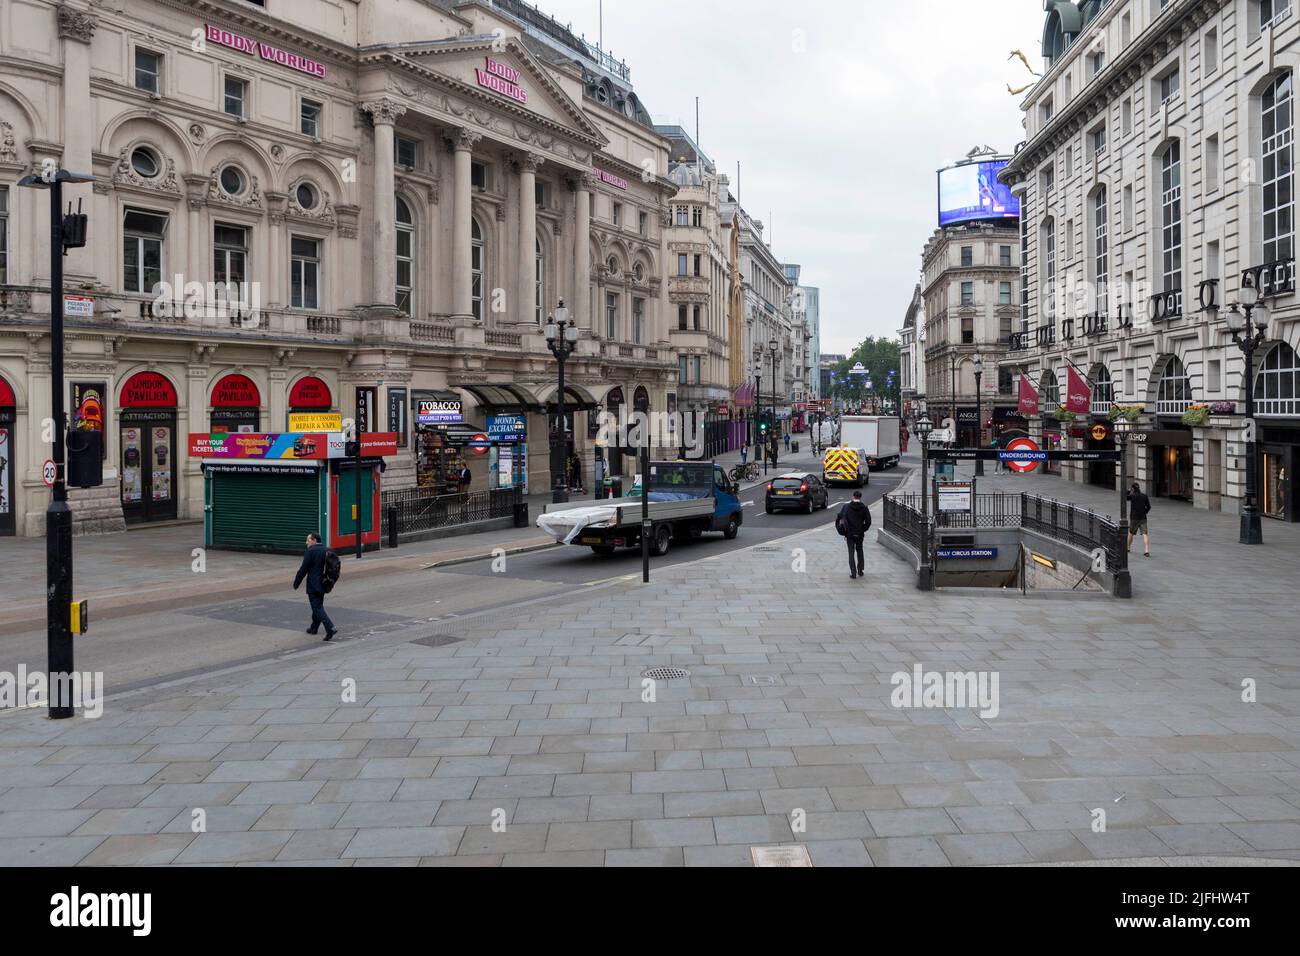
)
(501, 395)
(575, 397)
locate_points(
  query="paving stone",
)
(838, 853)
(152, 849)
(658, 857)
(983, 849)
(240, 847)
(752, 829)
(679, 832)
(902, 823)
(602, 835)
(404, 842)
(307, 845)
(907, 851)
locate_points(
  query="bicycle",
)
(745, 472)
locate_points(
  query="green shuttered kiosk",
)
(264, 506)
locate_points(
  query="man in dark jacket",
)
(313, 569)
(855, 520)
(1139, 506)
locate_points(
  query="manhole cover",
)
(666, 673)
(760, 680)
(441, 640)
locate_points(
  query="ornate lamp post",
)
(758, 406)
(979, 414)
(772, 346)
(1248, 324)
(925, 571)
(561, 339)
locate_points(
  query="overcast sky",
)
(839, 143)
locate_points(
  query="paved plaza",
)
(523, 737)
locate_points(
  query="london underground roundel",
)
(1026, 446)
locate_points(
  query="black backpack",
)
(333, 568)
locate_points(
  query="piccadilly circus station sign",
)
(269, 53)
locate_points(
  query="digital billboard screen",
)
(971, 192)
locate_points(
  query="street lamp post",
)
(979, 414)
(925, 571)
(1249, 326)
(1123, 582)
(561, 339)
(58, 516)
(772, 346)
(758, 407)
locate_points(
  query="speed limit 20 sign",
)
(49, 472)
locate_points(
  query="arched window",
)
(1171, 221)
(405, 256)
(1174, 389)
(1277, 386)
(539, 273)
(1048, 244)
(1103, 390)
(1100, 249)
(476, 269)
(1051, 396)
(1278, 131)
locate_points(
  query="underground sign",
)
(480, 444)
(1023, 455)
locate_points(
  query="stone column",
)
(528, 166)
(581, 305)
(461, 276)
(383, 249)
(77, 29)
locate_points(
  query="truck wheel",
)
(663, 541)
(604, 550)
(733, 529)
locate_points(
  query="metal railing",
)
(1058, 520)
(418, 510)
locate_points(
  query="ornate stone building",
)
(400, 192)
(1156, 180)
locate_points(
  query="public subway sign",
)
(502, 79)
(269, 53)
(616, 181)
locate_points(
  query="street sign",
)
(49, 472)
(965, 553)
(955, 497)
(480, 444)
(78, 307)
(1022, 455)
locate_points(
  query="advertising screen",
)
(971, 192)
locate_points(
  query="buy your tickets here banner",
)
(300, 446)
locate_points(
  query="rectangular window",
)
(405, 291)
(1277, 112)
(697, 266)
(1213, 264)
(148, 71)
(236, 96)
(616, 213)
(539, 195)
(681, 370)
(968, 293)
(1069, 161)
(681, 318)
(1004, 335)
(304, 273)
(230, 255)
(1101, 250)
(683, 264)
(968, 331)
(1004, 293)
(406, 151)
(697, 217)
(611, 316)
(1045, 112)
(1171, 220)
(643, 224)
(1095, 62)
(1069, 241)
(478, 177)
(1167, 86)
(142, 249)
(696, 364)
(1128, 208)
(1126, 117)
(1098, 142)
(1272, 12)
(1211, 164)
(1214, 376)
(638, 320)
(309, 115)
(1126, 29)
(683, 216)
(1004, 256)
(695, 317)
(4, 234)
(1210, 58)
(967, 257)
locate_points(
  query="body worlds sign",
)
(502, 79)
(272, 54)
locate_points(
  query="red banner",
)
(1078, 394)
(1028, 399)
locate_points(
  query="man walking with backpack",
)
(321, 568)
(1139, 508)
(853, 522)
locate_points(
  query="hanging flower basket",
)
(1129, 413)
(1223, 408)
(1065, 415)
(1196, 415)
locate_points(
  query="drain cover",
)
(666, 673)
(780, 856)
(440, 640)
(760, 680)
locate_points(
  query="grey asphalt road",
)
(158, 645)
